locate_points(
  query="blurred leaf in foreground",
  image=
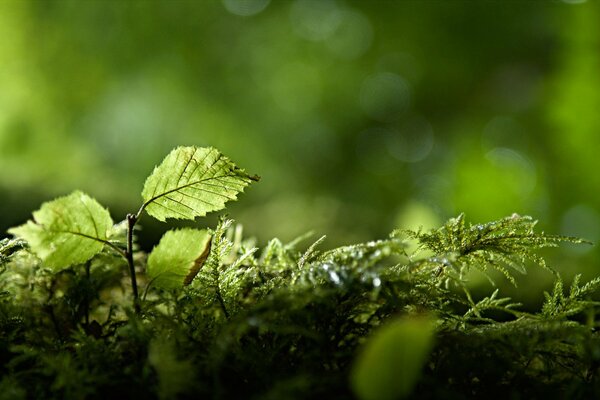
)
(391, 361)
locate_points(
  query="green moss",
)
(388, 318)
(287, 322)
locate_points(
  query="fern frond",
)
(557, 305)
(490, 303)
(310, 252)
(505, 245)
(368, 254)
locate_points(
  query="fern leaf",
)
(505, 245)
(587, 289)
(310, 252)
(192, 181)
(68, 230)
(178, 257)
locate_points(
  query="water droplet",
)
(357, 254)
(335, 278)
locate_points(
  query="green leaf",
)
(192, 181)
(178, 257)
(392, 359)
(68, 230)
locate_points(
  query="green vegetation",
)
(190, 182)
(362, 116)
(219, 318)
(367, 120)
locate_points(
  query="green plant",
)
(189, 183)
(221, 318)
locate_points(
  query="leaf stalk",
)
(131, 220)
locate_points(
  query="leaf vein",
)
(186, 165)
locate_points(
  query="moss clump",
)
(289, 323)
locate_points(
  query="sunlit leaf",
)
(68, 230)
(192, 181)
(391, 361)
(178, 257)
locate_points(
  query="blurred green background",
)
(360, 116)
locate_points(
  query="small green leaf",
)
(192, 181)
(68, 230)
(392, 359)
(178, 257)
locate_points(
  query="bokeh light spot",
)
(404, 64)
(385, 96)
(296, 88)
(433, 190)
(245, 8)
(493, 184)
(413, 142)
(315, 20)
(503, 131)
(371, 149)
(518, 169)
(352, 37)
(581, 221)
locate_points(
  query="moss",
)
(287, 322)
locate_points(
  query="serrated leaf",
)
(178, 257)
(68, 230)
(192, 181)
(390, 363)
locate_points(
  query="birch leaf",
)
(66, 231)
(178, 257)
(192, 181)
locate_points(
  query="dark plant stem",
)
(131, 220)
(87, 294)
(222, 304)
(220, 297)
